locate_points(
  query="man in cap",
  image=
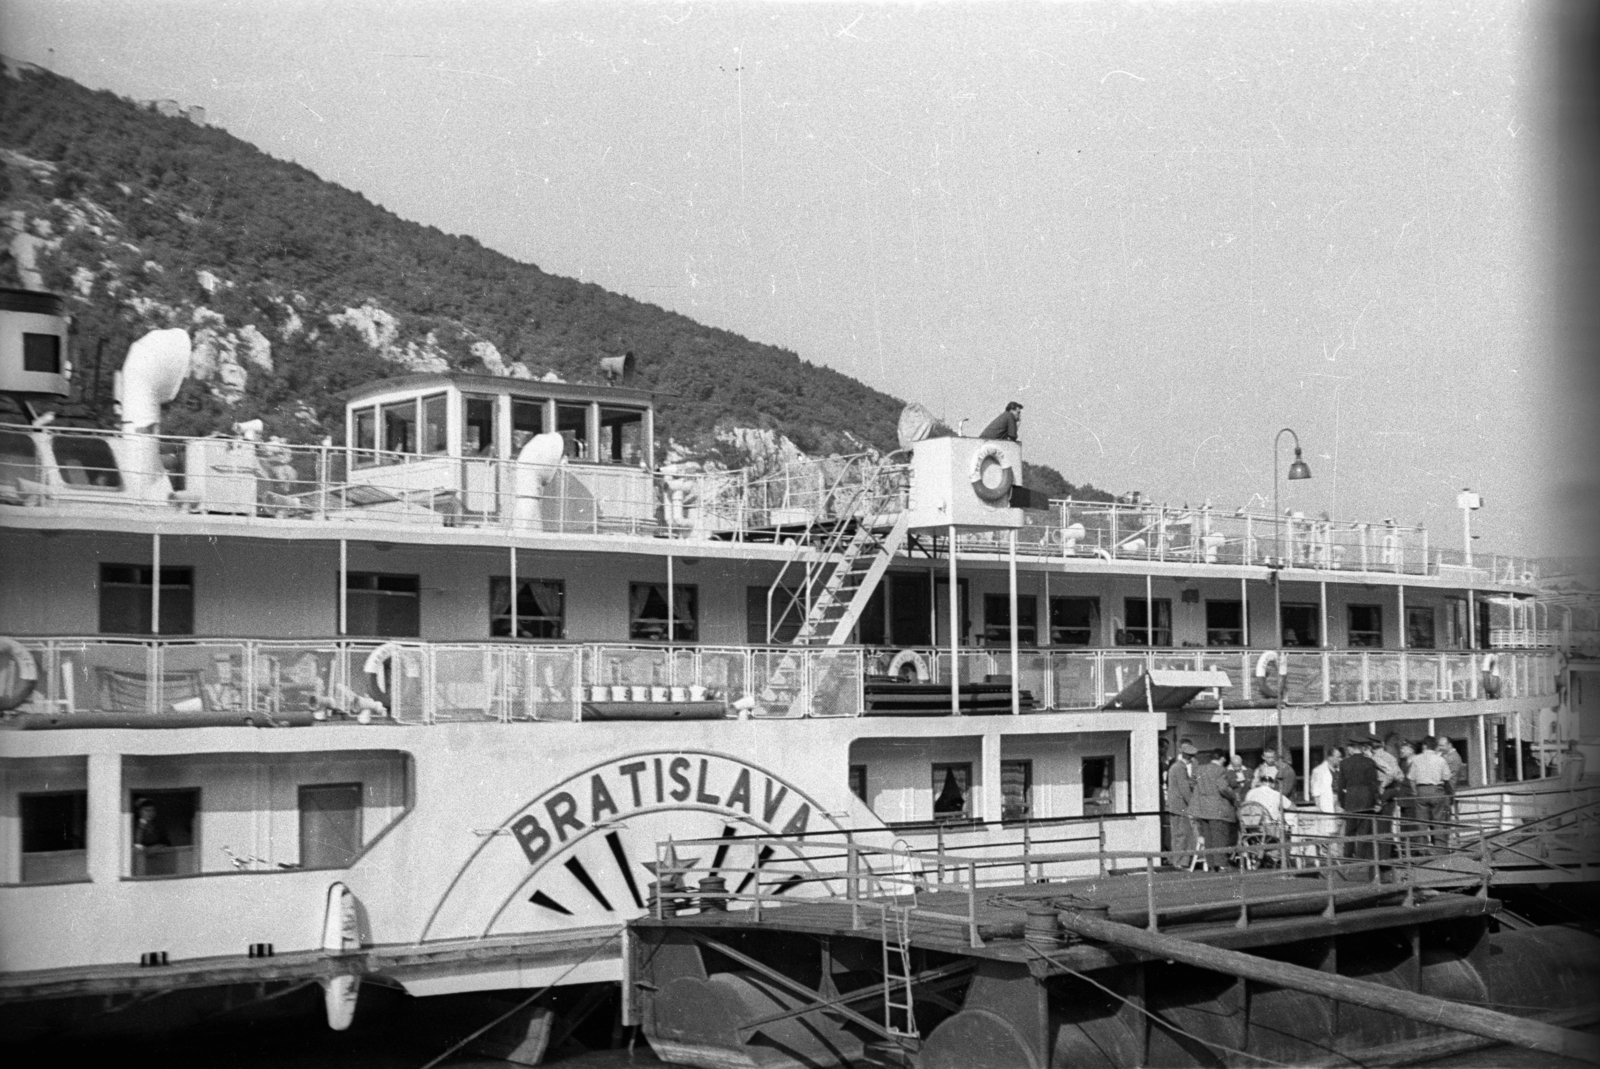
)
(1004, 426)
(1283, 769)
(1356, 784)
(1180, 788)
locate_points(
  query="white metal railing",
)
(428, 682)
(92, 470)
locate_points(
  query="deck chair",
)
(1258, 834)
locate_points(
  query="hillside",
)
(295, 289)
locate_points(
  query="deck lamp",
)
(1297, 470)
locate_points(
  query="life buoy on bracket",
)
(379, 670)
(915, 660)
(26, 672)
(990, 457)
(1491, 675)
(1270, 682)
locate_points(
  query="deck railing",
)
(91, 471)
(430, 682)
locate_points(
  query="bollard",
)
(1043, 926)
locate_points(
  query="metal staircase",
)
(897, 976)
(841, 561)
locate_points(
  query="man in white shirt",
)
(1429, 774)
(1323, 796)
(1279, 819)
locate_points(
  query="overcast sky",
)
(1168, 229)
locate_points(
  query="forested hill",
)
(295, 289)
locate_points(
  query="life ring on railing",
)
(1271, 682)
(27, 673)
(986, 459)
(918, 663)
(377, 667)
(1491, 675)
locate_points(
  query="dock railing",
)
(508, 680)
(1400, 858)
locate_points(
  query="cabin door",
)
(330, 825)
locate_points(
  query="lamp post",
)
(1297, 470)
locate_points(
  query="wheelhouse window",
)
(364, 434)
(1224, 623)
(54, 836)
(1099, 786)
(648, 613)
(1072, 621)
(41, 353)
(435, 425)
(477, 424)
(1419, 629)
(997, 620)
(125, 600)
(85, 461)
(330, 825)
(541, 608)
(166, 833)
(952, 791)
(527, 420)
(621, 436)
(383, 605)
(1139, 632)
(572, 423)
(1302, 625)
(19, 460)
(788, 612)
(1016, 790)
(399, 422)
(1365, 626)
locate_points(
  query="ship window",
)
(330, 825)
(41, 353)
(647, 612)
(997, 620)
(1138, 632)
(572, 422)
(788, 611)
(18, 460)
(858, 782)
(366, 436)
(166, 836)
(952, 791)
(1016, 790)
(400, 427)
(479, 427)
(1099, 786)
(86, 461)
(1366, 626)
(541, 608)
(1224, 623)
(621, 436)
(1419, 629)
(1072, 621)
(1302, 625)
(383, 605)
(54, 830)
(125, 600)
(435, 427)
(527, 420)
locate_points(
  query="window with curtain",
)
(1072, 621)
(1224, 623)
(647, 613)
(541, 608)
(1016, 790)
(952, 791)
(1302, 625)
(1138, 631)
(1366, 626)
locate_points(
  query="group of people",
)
(1362, 791)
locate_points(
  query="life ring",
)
(376, 664)
(1491, 675)
(27, 674)
(909, 657)
(990, 456)
(1271, 683)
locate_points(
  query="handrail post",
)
(1150, 893)
(972, 904)
(852, 888)
(1101, 837)
(939, 872)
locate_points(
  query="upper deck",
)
(434, 461)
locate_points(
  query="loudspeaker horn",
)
(617, 367)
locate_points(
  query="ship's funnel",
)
(155, 368)
(33, 344)
(536, 466)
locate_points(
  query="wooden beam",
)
(1491, 1024)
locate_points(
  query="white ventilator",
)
(536, 467)
(151, 376)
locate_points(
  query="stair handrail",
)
(866, 484)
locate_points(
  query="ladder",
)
(899, 1016)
